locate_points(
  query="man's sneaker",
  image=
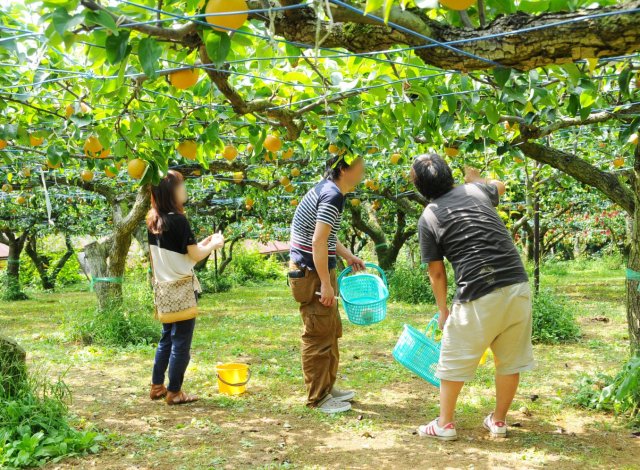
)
(496, 428)
(343, 395)
(331, 405)
(444, 433)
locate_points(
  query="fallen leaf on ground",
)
(525, 411)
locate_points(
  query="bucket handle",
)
(242, 384)
(348, 269)
(432, 327)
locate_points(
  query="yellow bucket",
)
(484, 357)
(233, 378)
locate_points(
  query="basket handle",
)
(348, 270)
(432, 327)
(241, 384)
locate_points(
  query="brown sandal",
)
(157, 392)
(180, 398)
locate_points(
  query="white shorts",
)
(501, 320)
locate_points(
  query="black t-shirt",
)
(169, 253)
(463, 226)
(176, 236)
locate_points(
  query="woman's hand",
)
(217, 241)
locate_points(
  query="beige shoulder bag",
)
(174, 300)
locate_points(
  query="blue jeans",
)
(173, 352)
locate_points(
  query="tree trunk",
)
(16, 245)
(41, 262)
(140, 234)
(106, 258)
(633, 294)
(536, 230)
(47, 275)
(13, 270)
(386, 250)
(227, 255)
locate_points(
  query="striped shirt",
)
(323, 203)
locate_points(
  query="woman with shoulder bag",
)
(174, 252)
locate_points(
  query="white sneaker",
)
(496, 428)
(444, 433)
(343, 395)
(332, 405)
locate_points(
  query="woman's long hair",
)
(163, 201)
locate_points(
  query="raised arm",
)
(472, 175)
(200, 251)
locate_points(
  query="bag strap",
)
(153, 282)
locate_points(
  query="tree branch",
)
(137, 212)
(550, 38)
(584, 172)
(186, 34)
(220, 78)
(627, 114)
(376, 234)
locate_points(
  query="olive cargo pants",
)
(320, 332)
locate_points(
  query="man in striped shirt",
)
(312, 276)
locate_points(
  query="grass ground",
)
(269, 428)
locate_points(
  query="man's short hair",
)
(431, 176)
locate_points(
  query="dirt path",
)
(269, 428)
(379, 433)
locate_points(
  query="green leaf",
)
(62, 20)
(373, 5)
(452, 103)
(54, 154)
(117, 47)
(218, 45)
(587, 98)
(491, 112)
(504, 6)
(574, 105)
(8, 131)
(533, 7)
(573, 71)
(387, 9)
(291, 52)
(102, 18)
(501, 75)
(623, 81)
(559, 5)
(149, 51)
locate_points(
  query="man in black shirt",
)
(492, 305)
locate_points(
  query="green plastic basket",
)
(364, 296)
(420, 352)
